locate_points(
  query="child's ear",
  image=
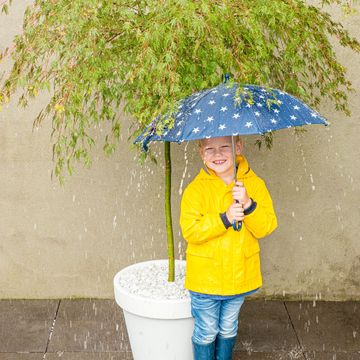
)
(201, 151)
(239, 147)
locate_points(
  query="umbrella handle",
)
(237, 224)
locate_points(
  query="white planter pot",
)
(158, 329)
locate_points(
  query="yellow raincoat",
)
(218, 260)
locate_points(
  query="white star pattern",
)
(279, 102)
(273, 121)
(293, 117)
(179, 114)
(248, 105)
(224, 108)
(210, 119)
(196, 130)
(222, 127)
(276, 111)
(180, 106)
(263, 90)
(211, 102)
(281, 93)
(262, 97)
(257, 113)
(226, 95)
(207, 137)
(313, 115)
(296, 107)
(197, 111)
(236, 116)
(178, 133)
(214, 91)
(249, 124)
(259, 104)
(180, 122)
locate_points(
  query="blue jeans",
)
(215, 317)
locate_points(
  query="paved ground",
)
(94, 330)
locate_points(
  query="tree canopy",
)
(94, 56)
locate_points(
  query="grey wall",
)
(70, 241)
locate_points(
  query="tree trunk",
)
(169, 229)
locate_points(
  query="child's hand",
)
(235, 212)
(240, 194)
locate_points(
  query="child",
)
(222, 264)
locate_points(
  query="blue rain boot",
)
(204, 352)
(224, 348)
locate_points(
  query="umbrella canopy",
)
(230, 110)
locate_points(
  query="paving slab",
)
(326, 355)
(25, 324)
(275, 355)
(265, 326)
(326, 326)
(89, 325)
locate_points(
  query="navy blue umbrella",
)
(230, 109)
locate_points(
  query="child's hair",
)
(237, 139)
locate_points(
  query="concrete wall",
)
(69, 242)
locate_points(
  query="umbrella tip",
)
(226, 77)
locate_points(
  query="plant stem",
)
(169, 229)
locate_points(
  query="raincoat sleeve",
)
(197, 226)
(262, 221)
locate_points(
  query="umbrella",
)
(230, 109)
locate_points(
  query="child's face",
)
(217, 155)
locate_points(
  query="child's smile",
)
(219, 162)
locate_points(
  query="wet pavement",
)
(94, 329)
